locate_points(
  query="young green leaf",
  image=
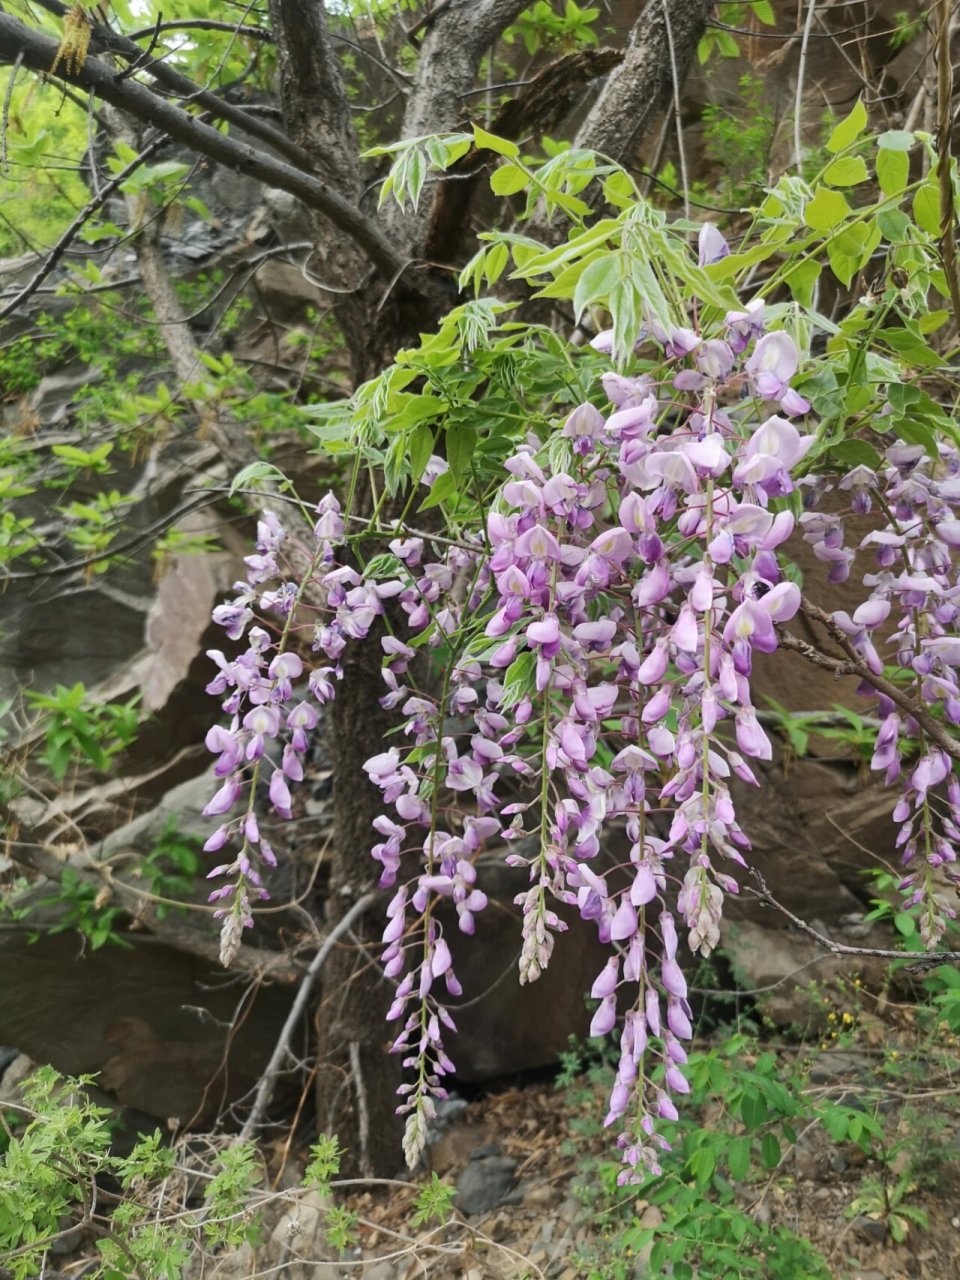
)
(826, 211)
(508, 180)
(490, 142)
(848, 130)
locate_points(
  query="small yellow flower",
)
(77, 29)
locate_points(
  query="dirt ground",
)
(555, 1223)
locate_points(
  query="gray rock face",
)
(486, 1181)
(780, 964)
(166, 1033)
(37, 654)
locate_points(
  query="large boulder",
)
(167, 1033)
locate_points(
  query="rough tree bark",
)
(380, 270)
(659, 52)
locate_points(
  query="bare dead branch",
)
(801, 71)
(424, 21)
(842, 948)
(677, 116)
(128, 547)
(854, 665)
(268, 1081)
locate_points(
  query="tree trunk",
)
(357, 1077)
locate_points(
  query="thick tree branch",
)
(39, 52)
(105, 40)
(449, 58)
(642, 86)
(315, 109)
(541, 103)
(458, 36)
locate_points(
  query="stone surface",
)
(169, 1035)
(815, 829)
(837, 1064)
(451, 1150)
(35, 654)
(179, 614)
(485, 1183)
(778, 965)
(873, 1230)
(381, 1271)
(15, 1071)
(182, 806)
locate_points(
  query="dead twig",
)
(268, 1081)
(845, 949)
(855, 665)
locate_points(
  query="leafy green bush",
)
(80, 730)
(58, 1172)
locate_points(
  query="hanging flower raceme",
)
(909, 620)
(596, 642)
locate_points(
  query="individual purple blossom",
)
(773, 363)
(771, 453)
(711, 245)
(235, 616)
(743, 326)
(583, 428)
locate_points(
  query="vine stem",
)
(948, 235)
(854, 665)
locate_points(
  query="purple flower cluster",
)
(270, 723)
(908, 623)
(597, 638)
